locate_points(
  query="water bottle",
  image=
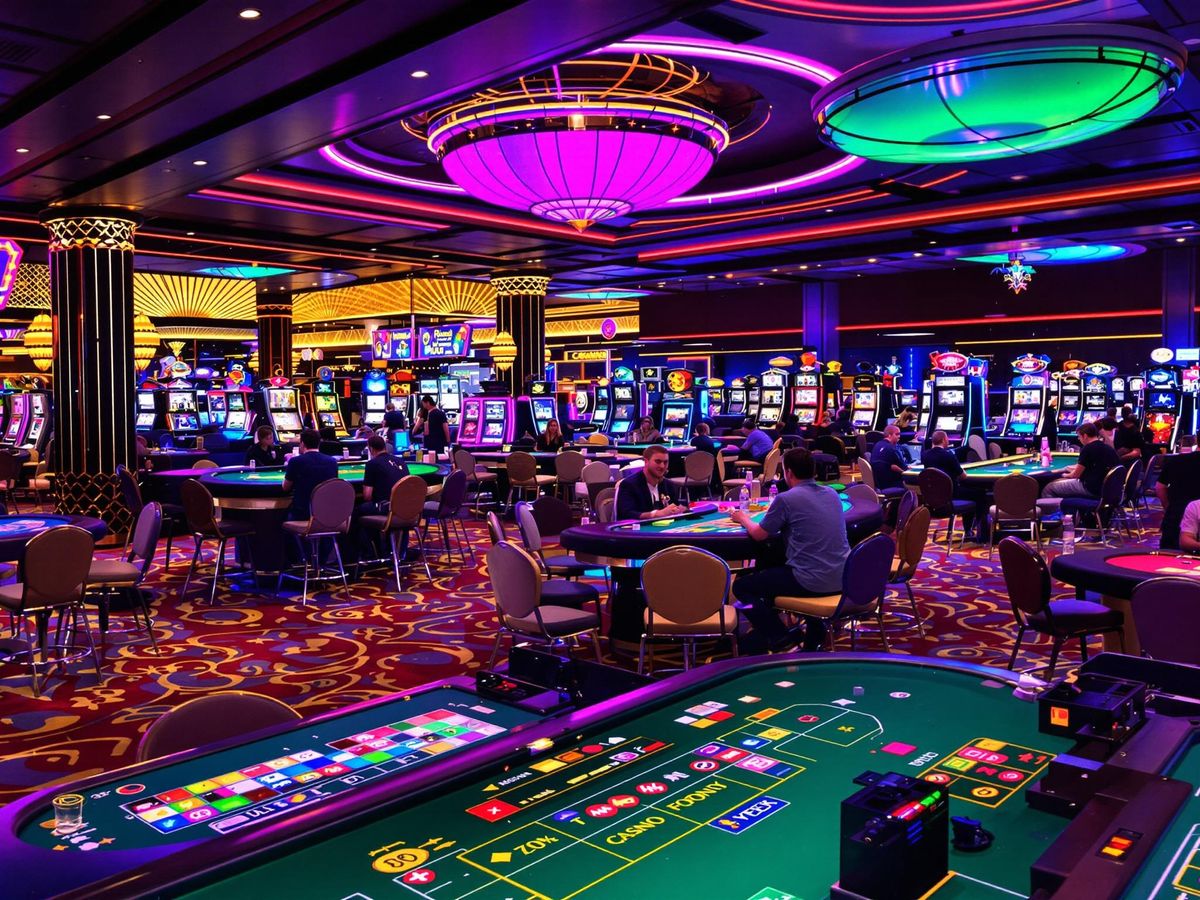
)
(1068, 534)
(253, 464)
(772, 493)
(744, 494)
(1046, 458)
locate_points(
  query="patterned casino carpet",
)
(332, 653)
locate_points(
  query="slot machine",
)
(326, 408)
(926, 405)
(735, 398)
(676, 419)
(753, 395)
(1164, 405)
(601, 407)
(716, 391)
(542, 405)
(627, 407)
(374, 397)
(450, 394)
(959, 391)
(1028, 398)
(831, 378)
(237, 415)
(18, 419)
(283, 410)
(772, 396)
(680, 392)
(150, 408)
(583, 402)
(217, 408)
(808, 394)
(1094, 387)
(183, 412)
(1135, 391)
(871, 400)
(1070, 395)
(39, 421)
(487, 421)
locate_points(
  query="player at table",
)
(887, 463)
(1178, 485)
(1084, 478)
(702, 440)
(264, 451)
(757, 444)
(645, 433)
(940, 456)
(810, 517)
(646, 494)
(1189, 528)
(1128, 440)
(551, 440)
(305, 471)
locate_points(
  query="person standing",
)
(393, 419)
(1128, 441)
(433, 424)
(809, 515)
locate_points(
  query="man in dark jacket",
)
(647, 494)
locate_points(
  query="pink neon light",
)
(864, 12)
(260, 200)
(331, 155)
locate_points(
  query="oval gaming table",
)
(1113, 573)
(257, 495)
(16, 530)
(174, 459)
(986, 473)
(622, 546)
(642, 796)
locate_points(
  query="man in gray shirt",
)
(810, 517)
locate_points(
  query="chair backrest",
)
(568, 466)
(531, 537)
(686, 585)
(331, 506)
(407, 501)
(146, 532)
(907, 506)
(522, 467)
(10, 469)
(197, 503)
(1026, 578)
(978, 444)
(995, 451)
(872, 438)
(1153, 470)
(865, 472)
(516, 580)
(865, 575)
(860, 444)
(454, 494)
(496, 527)
(936, 488)
(832, 444)
(1016, 496)
(553, 516)
(204, 464)
(209, 719)
(1112, 489)
(910, 544)
(770, 469)
(699, 465)
(606, 505)
(596, 473)
(130, 492)
(598, 438)
(464, 462)
(55, 567)
(859, 494)
(1133, 481)
(1167, 617)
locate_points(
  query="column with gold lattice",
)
(274, 334)
(521, 313)
(91, 301)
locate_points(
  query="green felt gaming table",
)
(245, 482)
(986, 473)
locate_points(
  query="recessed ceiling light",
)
(1017, 177)
(829, 210)
(22, 149)
(199, 162)
(872, 259)
(918, 255)
(774, 270)
(728, 274)
(710, 277)
(419, 73)
(373, 249)
(802, 268)
(190, 233)
(932, 243)
(1180, 240)
(104, 117)
(250, 13)
(437, 256)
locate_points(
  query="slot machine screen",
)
(543, 410)
(623, 393)
(186, 422)
(773, 380)
(286, 421)
(1023, 421)
(35, 429)
(948, 423)
(145, 401)
(806, 416)
(806, 397)
(494, 430)
(216, 403)
(622, 417)
(280, 398)
(493, 409)
(1095, 401)
(327, 420)
(376, 402)
(1163, 399)
(237, 402)
(1068, 418)
(1027, 397)
(866, 400)
(907, 398)
(1070, 401)
(145, 420)
(1191, 380)
(236, 420)
(401, 440)
(675, 415)
(181, 401)
(325, 403)
(953, 398)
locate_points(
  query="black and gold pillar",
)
(521, 312)
(274, 334)
(91, 300)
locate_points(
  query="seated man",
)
(380, 475)
(939, 456)
(1107, 427)
(1085, 477)
(305, 471)
(645, 433)
(702, 441)
(1128, 440)
(810, 517)
(264, 451)
(646, 494)
(757, 445)
(1178, 485)
(1189, 528)
(887, 463)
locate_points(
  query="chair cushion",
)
(10, 595)
(173, 511)
(431, 507)
(1073, 616)
(566, 564)
(238, 528)
(821, 607)
(893, 492)
(377, 522)
(568, 593)
(558, 620)
(39, 484)
(711, 625)
(958, 507)
(112, 572)
(483, 475)
(297, 526)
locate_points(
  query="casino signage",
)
(444, 341)
(948, 361)
(394, 343)
(585, 356)
(1030, 364)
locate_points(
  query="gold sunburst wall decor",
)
(452, 297)
(191, 297)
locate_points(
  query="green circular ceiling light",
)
(1068, 255)
(998, 93)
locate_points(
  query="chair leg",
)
(305, 553)
(337, 552)
(145, 604)
(424, 554)
(1058, 642)
(496, 647)
(394, 540)
(595, 633)
(1083, 650)
(167, 554)
(192, 568)
(1012, 661)
(218, 568)
(912, 601)
(642, 656)
(882, 631)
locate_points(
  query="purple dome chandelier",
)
(583, 141)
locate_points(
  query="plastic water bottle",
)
(1046, 458)
(1068, 534)
(772, 493)
(744, 494)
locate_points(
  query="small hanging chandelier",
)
(145, 341)
(1016, 274)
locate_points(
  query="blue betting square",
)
(355, 763)
(753, 743)
(293, 771)
(171, 823)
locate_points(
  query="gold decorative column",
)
(521, 312)
(274, 334)
(91, 302)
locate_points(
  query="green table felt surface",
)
(346, 471)
(170, 793)
(624, 810)
(715, 522)
(1008, 465)
(1173, 869)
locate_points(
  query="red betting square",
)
(174, 796)
(493, 810)
(720, 716)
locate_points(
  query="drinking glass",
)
(68, 813)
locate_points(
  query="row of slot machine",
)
(25, 419)
(377, 397)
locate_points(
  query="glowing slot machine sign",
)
(392, 343)
(444, 341)
(959, 396)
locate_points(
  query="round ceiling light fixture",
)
(999, 93)
(906, 12)
(1071, 254)
(583, 141)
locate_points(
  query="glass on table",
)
(68, 813)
